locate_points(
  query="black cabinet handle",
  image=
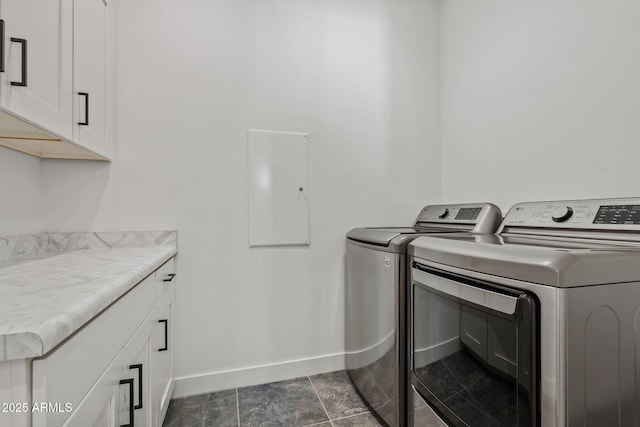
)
(170, 277)
(23, 80)
(131, 419)
(166, 334)
(139, 368)
(86, 109)
(1, 45)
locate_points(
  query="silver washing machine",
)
(375, 301)
(538, 325)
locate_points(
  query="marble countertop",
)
(45, 299)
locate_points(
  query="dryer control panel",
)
(618, 214)
(597, 214)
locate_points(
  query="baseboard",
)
(224, 380)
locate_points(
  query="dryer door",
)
(474, 355)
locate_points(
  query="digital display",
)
(618, 214)
(468, 214)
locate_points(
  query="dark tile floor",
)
(326, 400)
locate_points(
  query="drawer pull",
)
(169, 278)
(138, 366)
(131, 420)
(166, 334)
(23, 77)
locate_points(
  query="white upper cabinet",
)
(37, 51)
(90, 50)
(54, 90)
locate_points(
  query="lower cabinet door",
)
(108, 402)
(139, 369)
(162, 354)
(113, 399)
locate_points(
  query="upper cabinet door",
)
(37, 81)
(90, 61)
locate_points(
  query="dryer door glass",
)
(473, 352)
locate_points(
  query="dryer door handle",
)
(493, 300)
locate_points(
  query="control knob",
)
(561, 213)
(444, 213)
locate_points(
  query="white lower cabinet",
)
(112, 401)
(162, 358)
(115, 371)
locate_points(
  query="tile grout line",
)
(238, 407)
(317, 424)
(354, 415)
(321, 402)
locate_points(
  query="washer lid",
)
(382, 236)
(555, 262)
(379, 236)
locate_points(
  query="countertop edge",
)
(35, 343)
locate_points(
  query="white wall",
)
(540, 99)
(359, 75)
(20, 194)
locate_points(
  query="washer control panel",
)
(466, 214)
(481, 218)
(581, 214)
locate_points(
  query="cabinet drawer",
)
(165, 277)
(68, 372)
